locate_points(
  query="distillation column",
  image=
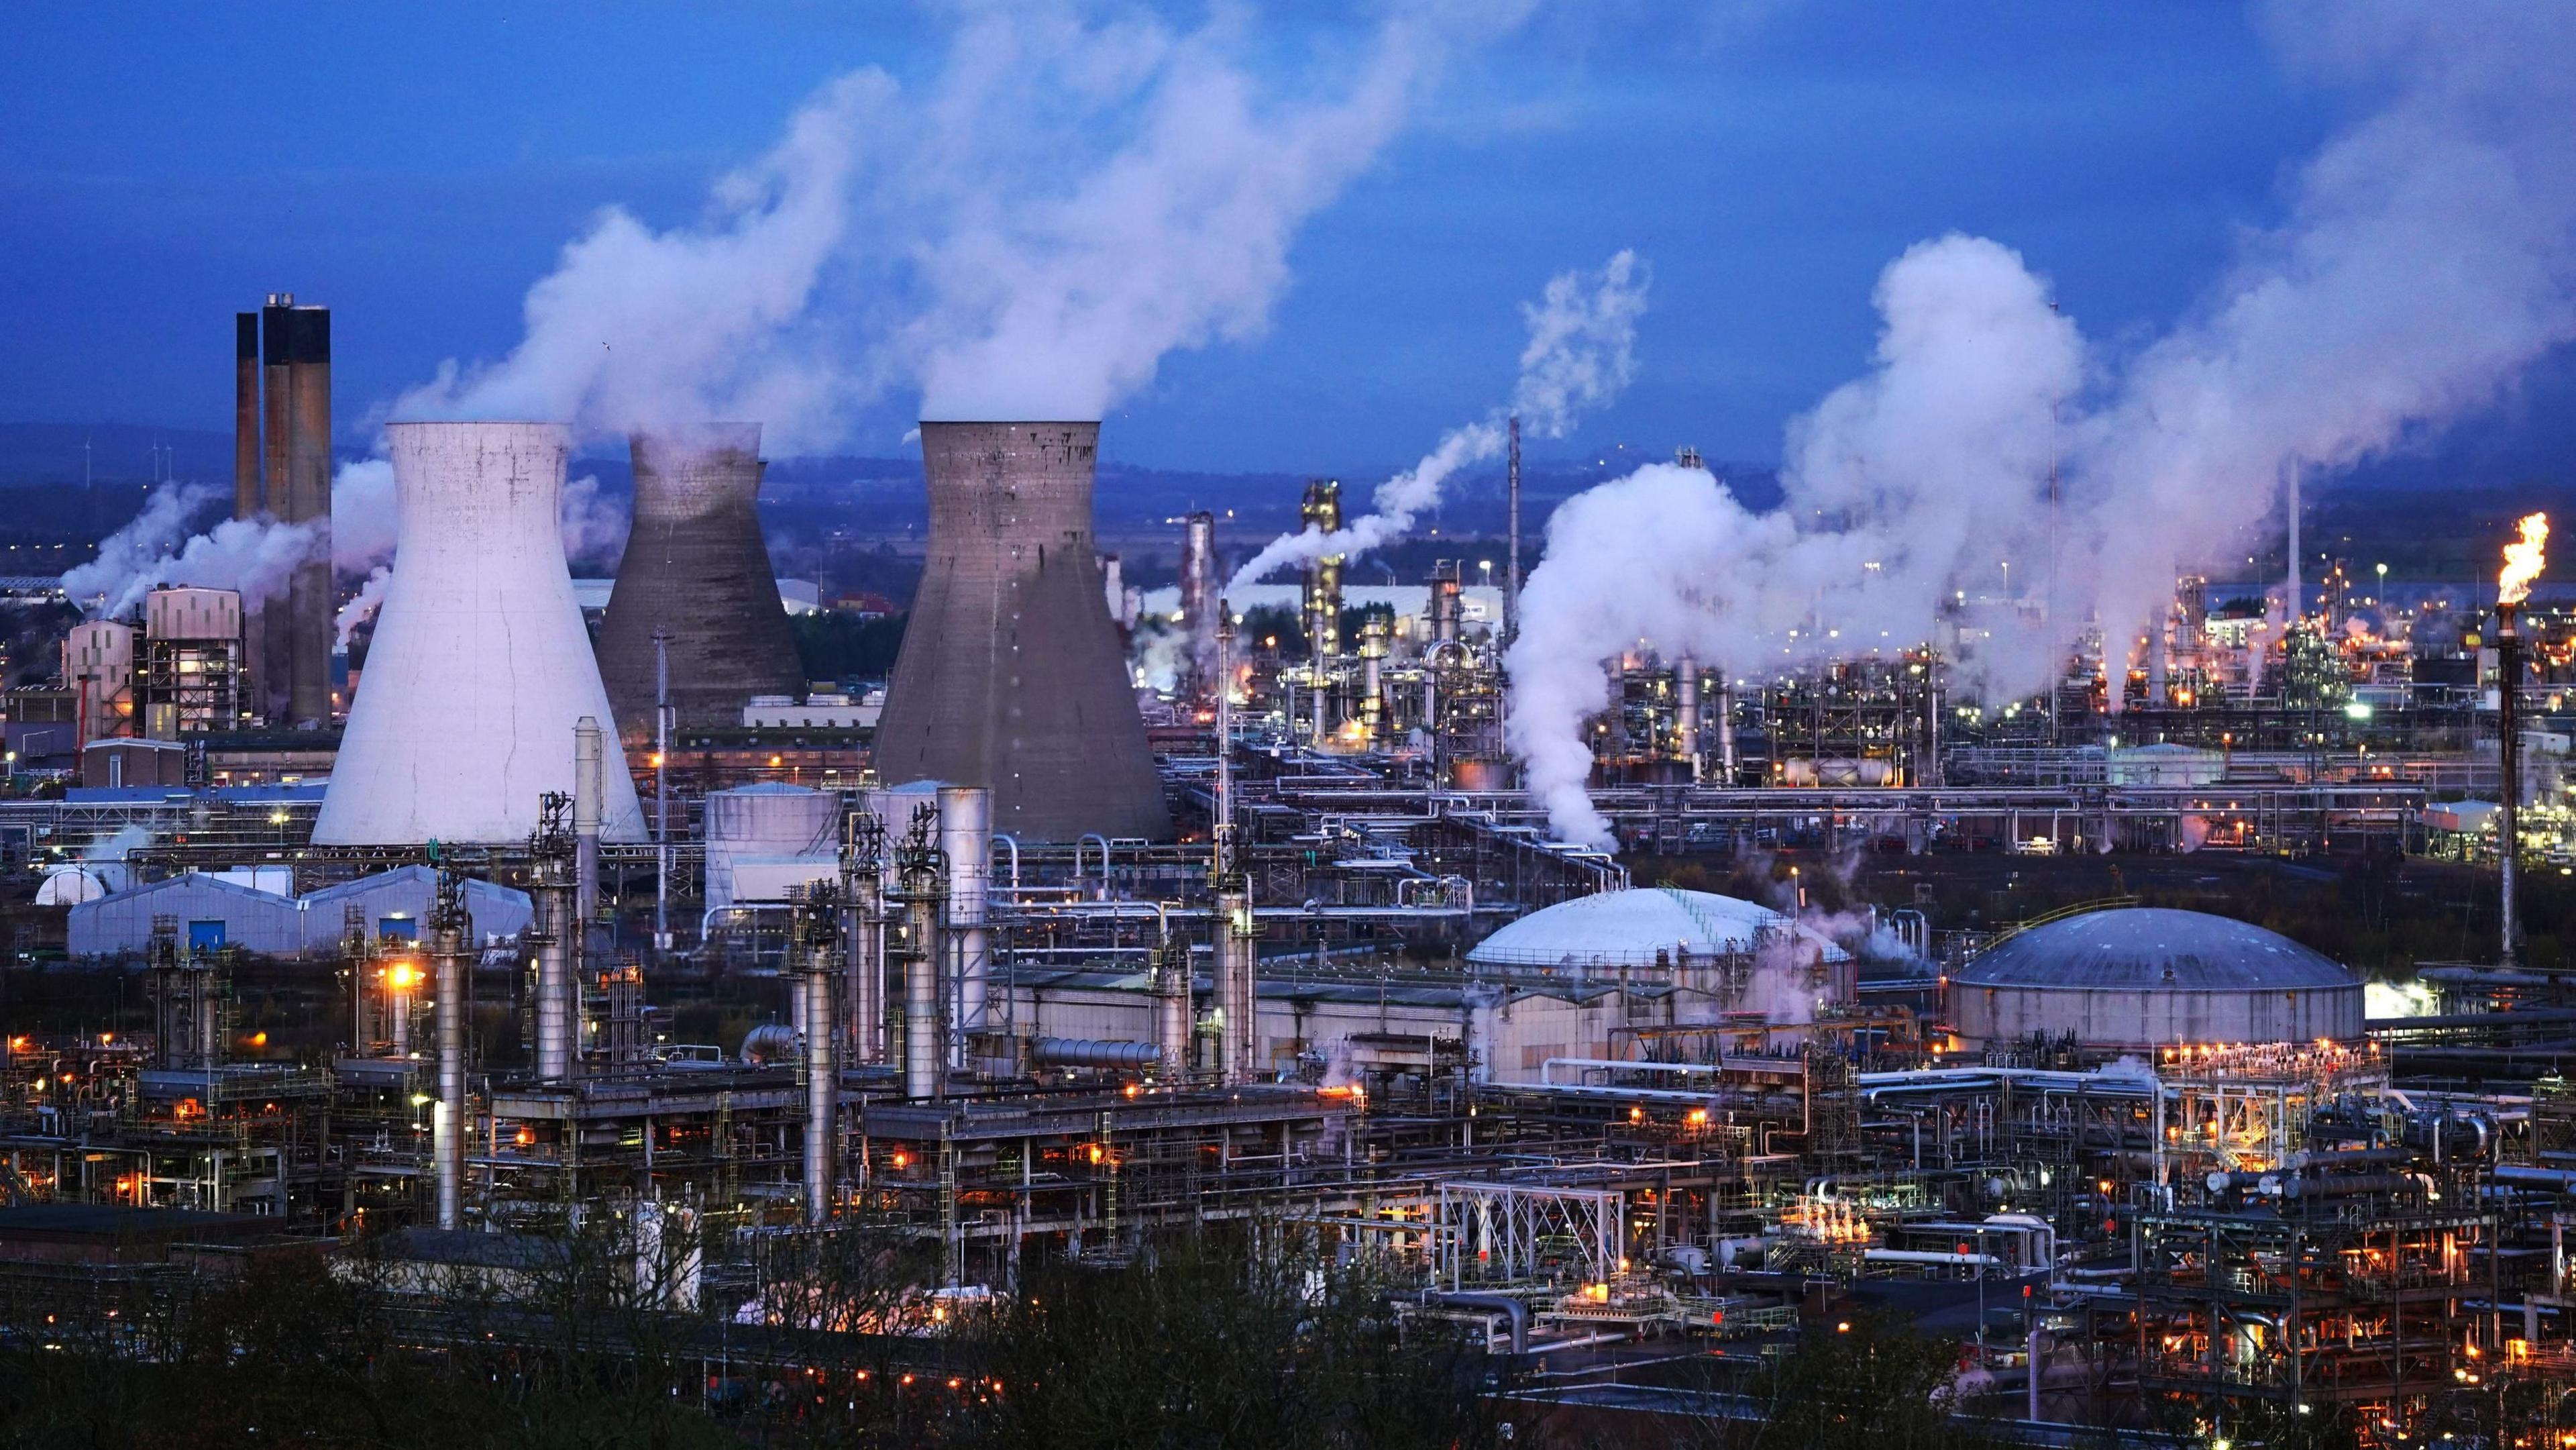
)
(819, 984)
(1236, 942)
(557, 940)
(451, 933)
(1686, 713)
(589, 798)
(863, 902)
(924, 1065)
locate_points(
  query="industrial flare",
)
(2524, 558)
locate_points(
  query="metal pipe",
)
(924, 1069)
(1725, 728)
(589, 795)
(661, 790)
(822, 1078)
(2509, 828)
(1093, 1052)
(450, 934)
(555, 976)
(1173, 1015)
(1686, 712)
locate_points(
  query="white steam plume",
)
(2428, 256)
(1581, 353)
(363, 606)
(255, 556)
(1937, 460)
(1024, 235)
(637, 326)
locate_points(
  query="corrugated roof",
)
(2151, 949)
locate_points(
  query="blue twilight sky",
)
(416, 168)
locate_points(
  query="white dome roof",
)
(1626, 928)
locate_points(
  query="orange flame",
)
(2523, 560)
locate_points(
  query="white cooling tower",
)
(480, 666)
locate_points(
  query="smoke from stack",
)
(1581, 353)
(2331, 339)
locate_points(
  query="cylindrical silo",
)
(480, 668)
(697, 568)
(1011, 675)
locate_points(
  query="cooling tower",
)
(480, 667)
(1011, 676)
(697, 568)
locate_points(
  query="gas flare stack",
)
(1011, 676)
(481, 674)
(696, 568)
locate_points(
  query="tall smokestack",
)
(1011, 676)
(1198, 599)
(2509, 751)
(480, 667)
(697, 568)
(249, 492)
(293, 649)
(2297, 606)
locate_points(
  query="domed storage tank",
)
(2142, 977)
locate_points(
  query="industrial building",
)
(1028, 980)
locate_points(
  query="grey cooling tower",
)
(696, 567)
(1011, 675)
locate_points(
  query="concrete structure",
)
(480, 667)
(696, 569)
(289, 638)
(2143, 977)
(1011, 676)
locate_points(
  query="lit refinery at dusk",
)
(809, 771)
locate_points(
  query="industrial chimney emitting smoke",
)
(480, 670)
(282, 471)
(1011, 676)
(697, 568)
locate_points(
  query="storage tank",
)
(697, 568)
(1011, 675)
(480, 668)
(2139, 978)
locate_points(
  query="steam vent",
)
(696, 568)
(1011, 675)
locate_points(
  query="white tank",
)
(785, 820)
(480, 666)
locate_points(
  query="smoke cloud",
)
(1581, 353)
(363, 605)
(2427, 256)
(1026, 234)
(254, 556)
